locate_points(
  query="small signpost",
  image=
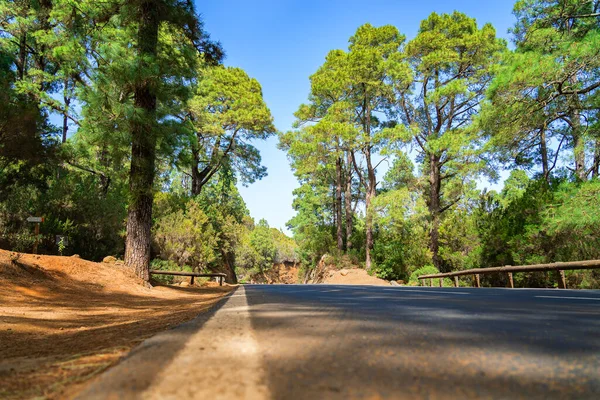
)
(37, 221)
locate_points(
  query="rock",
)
(401, 282)
(75, 256)
(394, 283)
(184, 284)
(109, 259)
(344, 272)
(119, 262)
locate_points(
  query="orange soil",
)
(282, 273)
(63, 320)
(354, 276)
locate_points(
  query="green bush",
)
(427, 270)
(187, 237)
(166, 265)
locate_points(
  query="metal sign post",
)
(37, 221)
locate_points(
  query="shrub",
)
(187, 237)
(426, 270)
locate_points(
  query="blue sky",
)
(281, 43)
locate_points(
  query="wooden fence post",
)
(477, 280)
(563, 280)
(431, 282)
(510, 278)
(456, 281)
(441, 282)
(192, 281)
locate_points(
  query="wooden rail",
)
(221, 276)
(509, 270)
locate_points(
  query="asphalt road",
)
(367, 342)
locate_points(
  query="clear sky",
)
(281, 43)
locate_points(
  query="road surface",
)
(367, 342)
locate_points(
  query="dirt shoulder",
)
(64, 320)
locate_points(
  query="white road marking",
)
(565, 297)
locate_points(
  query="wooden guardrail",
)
(221, 276)
(509, 269)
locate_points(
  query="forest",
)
(121, 126)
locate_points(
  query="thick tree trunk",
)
(435, 183)
(348, 202)
(338, 203)
(229, 269)
(143, 148)
(370, 196)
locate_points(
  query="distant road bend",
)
(367, 342)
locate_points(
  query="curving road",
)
(367, 342)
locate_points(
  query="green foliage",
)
(573, 221)
(73, 205)
(430, 91)
(442, 108)
(187, 237)
(460, 245)
(544, 223)
(263, 243)
(310, 225)
(213, 231)
(401, 244)
(90, 66)
(167, 265)
(226, 113)
(61, 245)
(425, 270)
(545, 91)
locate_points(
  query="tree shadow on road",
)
(367, 342)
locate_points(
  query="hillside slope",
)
(64, 320)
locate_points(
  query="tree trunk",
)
(578, 142)
(370, 196)
(348, 202)
(195, 173)
(67, 101)
(544, 153)
(435, 183)
(103, 159)
(338, 203)
(371, 183)
(578, 148)
(596, 166)
(22, 63)
(143, 147)
(229, 269)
